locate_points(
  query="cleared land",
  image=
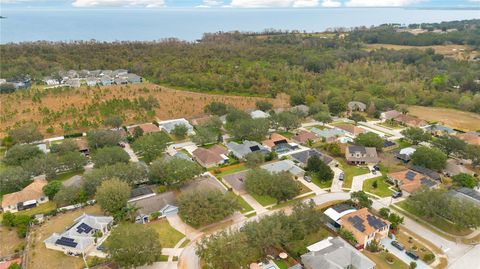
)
(9, 241)
(87, 106)
(456, 119)
(459, 52)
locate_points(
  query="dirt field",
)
(9, 241)
(460, 52)
(40, 257)
(456, 119)
(70, 105)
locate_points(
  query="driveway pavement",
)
(129, 150)
(312, 186)
(253, 203)
(336, 182)
(357, 183)
(386, 242)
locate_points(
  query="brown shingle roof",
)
(219, 150)
(146, 127)
(274, 138)
(410, 120)
(31, 192)
(472, 138)
(207, 156)
(363, 214)
(410, 181)
(82, 144)
(303, 136)
(351, 129)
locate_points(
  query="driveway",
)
(336, 182)
(386, 242)
(129, 150)
(253, 203)
(312, 186)
(357, 183)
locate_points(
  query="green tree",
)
(64, 147)
(13, 179)
(204, 135)
(174, 172)
(113, 121)
(180, 131)
(416, 135)
(202, 208)
(110, 155)
(133, 245)
(316, 166)
(18, 154)
(347, 235)
(432, 158)
(280, 186)
(52, 188)
(250, 129)
(151, 146)
(264, 105)
(323, 117)
(337, 105)
(361, 200)
(287, 120)
(297, 99)
(356, 117)
(254, 159)
(333, 148)
(216, 108)
(70, 195)
(26, 134)
(465, 180)
(112, 195)
(73, 160)
(450, 145)
(103, 138)
(369, 140)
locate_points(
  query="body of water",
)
(190, 24)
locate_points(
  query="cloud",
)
(119, 3)
(273, 3)
(381, 3)
(331, 3)
(211, 3)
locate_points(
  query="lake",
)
(190, 24)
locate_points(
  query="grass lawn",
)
(413, 244)
(402, 143)
(350, 171)
(41, 209)
(292, 202)
(321, 184)
(287, 134)
(438, 222)
(382, 189)
(67, 175)
(264, 199)
(319, 127)
(245, 206)
(169, 237)
(185, 243)
(299, 247)
(281, 264)
(230, 170)
(381, 263)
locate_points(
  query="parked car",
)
(376, 167)
(374, 172)
(397, 245)
(341, 176)
(412, 254)
(307, 179)
(397, 194)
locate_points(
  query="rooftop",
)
(283, 166)
(31, 192)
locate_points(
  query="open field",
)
(459, 52)
(9, 241)
(40, 257)
(456, 119)
(88, 106)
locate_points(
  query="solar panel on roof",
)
(410, 175)
(357, 223)
(283, 141)
(375, 222)
(65, 241)
(83, 228)
(254, 148)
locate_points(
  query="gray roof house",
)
(439, 130)
(133, 78)
(329, 135)
(361, 155)
(303, 109)
(169, 125)
(284, 166)
(80, 237)
(73, 82)
(120, 81)
(303, 156)
(335, 253)
(356, 106)
(91, 81)
(106, 80)
(466, 194)
(246, 147)
(164, 203)
(258, 114)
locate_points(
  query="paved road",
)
(395, 133)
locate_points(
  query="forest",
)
(315, 67)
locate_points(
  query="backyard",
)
(169, 237)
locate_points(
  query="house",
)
(258, 114)
(49, 81)
(365, 226)
(107, 73)
(91, 81)
(455, 167)
(411, 181)
(87, 232)
(72, 74)
(284, 166)
(73, 82)
(410, 121)
(405, 154)
(356, 106)
(140, 193)
(335, 253)
(279, 143)
(472, 138)
(304, 136)
(303, 156)
(351, 130)
(203, 183)
(388, 145)
(389, 115)
(169, 125)
(29, 197)
(439, 130)
(83, 73)
(201, 120)
(163, 203)
(428, 172)
(133, 78)
(301, 109)
(82, 145)
(106, 80)
(361, 155)
(245, 148)
(119, 72)
(328, 135)
(336, 212)
(178, 155)
(120, 81)
(147, 128)
(214, 156)
(466, 194)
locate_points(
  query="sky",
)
(150, 4)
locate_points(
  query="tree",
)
(264, 105)
(26, 134)
(151, 146)
(133, 245)
(369, 140)
(347, 235)
(216, 108)
(13, 179)
(319, 168)
(7, 88)
(110, 155)
(254, 159)
(250, 129)
(356, 117)
(52, 188)
(297, 99)
(451, 145)
(18, 154)
(180, 131)
(333, 148)
(431, 158)
(318, 108)
(73, 160)
(280, 186)
(202, 208)
(413, 265)
(416, 135)
(70, 195)
(137, 132)
(361, 199)
(174, 172)
(337, 105)
(287, 120)
(103, 138)
(112, 195)
(323, 117)
(465, 180)
(234, 115)
(113, 121)
(204, 135)
(64, 147)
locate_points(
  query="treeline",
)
(310, 65)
